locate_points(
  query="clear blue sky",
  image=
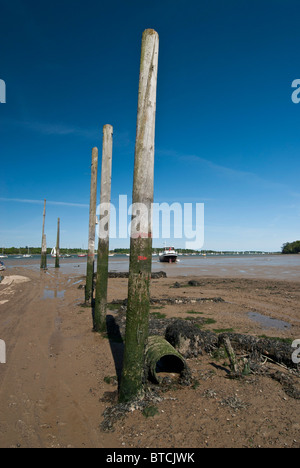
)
(227, 131)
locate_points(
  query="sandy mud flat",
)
(57, 381)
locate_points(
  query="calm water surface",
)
(283, 267)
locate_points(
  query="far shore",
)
(281, 267)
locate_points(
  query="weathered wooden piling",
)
(44, 244)
(92, 226)
(57, 244)
(230, 353)
(137, 318)
(103, 232)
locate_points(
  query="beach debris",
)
(278, 351)
(162, 360)
(117, 412)
(99, 313)
(125, 274)
(234, 403)
(189, 340)
(194, 283)
(174, 300)
(289, 382)
(225, 341)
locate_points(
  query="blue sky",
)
(227, 131)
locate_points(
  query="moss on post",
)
(231, 354)
(92, 226)
(99, 316)
(137, 318)
(44, 244)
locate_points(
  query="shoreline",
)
(280, 267)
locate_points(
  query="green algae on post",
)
(103, 244)
(137, 318)
(92, 227)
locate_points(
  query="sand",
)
(54, 387)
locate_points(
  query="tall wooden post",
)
(137, 318)
(103, 243)
(92, 226)
(44, 244)
(57, 244)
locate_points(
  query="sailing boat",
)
(2, 255)
(27, 255)
(53, 252)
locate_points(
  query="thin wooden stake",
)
(137, 318)
(57, 245)
(44, 244)
(231, 354)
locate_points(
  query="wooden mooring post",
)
(57, 244)
(44, 243)
(137, 318)
(103, 232)
(89, 287)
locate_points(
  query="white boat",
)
(2, 266)
(27, 255)
(2, 255)
(168, 255)
(53, 252)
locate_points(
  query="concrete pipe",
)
(162, 359)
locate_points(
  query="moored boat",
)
(168, 255)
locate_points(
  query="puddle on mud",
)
(77, 282)
(268, 322)
(53, 294)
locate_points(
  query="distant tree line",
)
(120, 251)
(291, 247)
(36, 250)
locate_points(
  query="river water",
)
(280, 267)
